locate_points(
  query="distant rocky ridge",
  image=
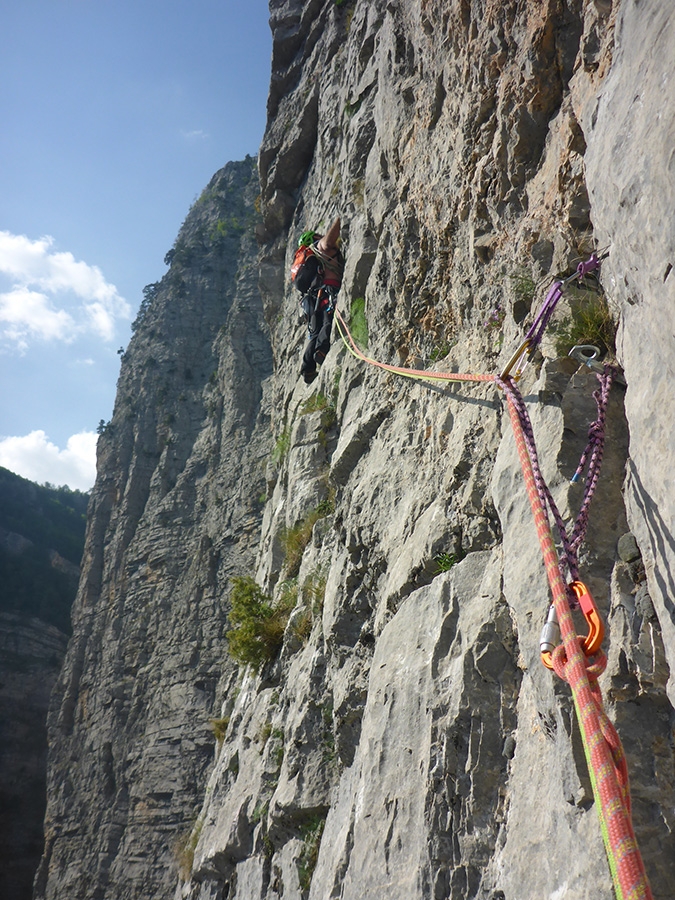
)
(406, 740)
(38, 583)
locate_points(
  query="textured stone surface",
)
(406, 741)
(31, 653)
(631, 178)
(174, 512)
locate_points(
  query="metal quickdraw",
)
(518, 362)
(550, 633)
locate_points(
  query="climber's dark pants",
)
(318, 345)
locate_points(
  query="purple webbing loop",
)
(596, 435)
(592, 454)
(538, 327)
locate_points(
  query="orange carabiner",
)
(596, 630)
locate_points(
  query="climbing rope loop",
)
(602, 745)
(418, 374)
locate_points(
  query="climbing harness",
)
(579, 661)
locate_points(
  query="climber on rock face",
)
(317, 272)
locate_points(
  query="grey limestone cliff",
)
(174, 512)
(31, 654)
(405, 741)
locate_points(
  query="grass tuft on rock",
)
(590, 322)
(358, 325)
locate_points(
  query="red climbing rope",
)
(606, 762)
(602, 745)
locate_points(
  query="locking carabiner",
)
(551, 631)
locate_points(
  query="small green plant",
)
(219, 728)
(445, 561)
(327, 507)
(281, 447)
(268, 847)
(312, 595)
(352, 108)
(314, 591)
(493, 325)
(294, 540)
(359, 189)
(278, 752)
(336, 386)
(302, 625)
(496, 319)
(260, 812)
(358, 325)
(185, 847)
(320, 402)
(311, 834)
(524, 285)
(315, 403)
(257, 630)
(328, 740)
(590, 322)
(264, 734)
(440, 351)
(288, 595)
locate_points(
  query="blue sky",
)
(115, 114)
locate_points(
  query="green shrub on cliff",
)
(257, 625)
(311, 834)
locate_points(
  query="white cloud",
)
(40, 275)
(25, 314)
(35, 457)
(196, 135)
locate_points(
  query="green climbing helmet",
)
(307, 238)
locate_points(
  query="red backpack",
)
(305, 268)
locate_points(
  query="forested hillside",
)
(41, 541)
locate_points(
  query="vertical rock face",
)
(405, 741)
(41, 539)
(31, 653)
(175, 510)
(631, 178)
